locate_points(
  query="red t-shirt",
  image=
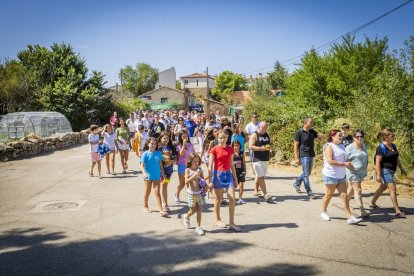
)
(222, 157)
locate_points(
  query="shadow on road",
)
(36, 252)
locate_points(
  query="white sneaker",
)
(199, 231)
(186, 223)
(325, 216)
(354, 220)
(241, 201)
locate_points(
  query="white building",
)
(167, 78)
(197, 80)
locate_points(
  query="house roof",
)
(164, 87)
(197, 75)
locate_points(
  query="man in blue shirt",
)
(191, 126)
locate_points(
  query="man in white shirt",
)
(251, 128)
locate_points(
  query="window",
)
(164, 100)
(185, 81)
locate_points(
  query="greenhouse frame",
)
(42, 124)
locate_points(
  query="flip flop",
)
(147, 210)
(221, 224)
(400, 215)
(235, 228)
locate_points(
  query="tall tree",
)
(278, 76)
(227, 82)
(140, 79)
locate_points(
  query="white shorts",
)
(260, 167)
(123, 146)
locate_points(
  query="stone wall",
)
(32, 145)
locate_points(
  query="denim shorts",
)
(332, 181)
(181, 168)
(223, 179)
(387, 175)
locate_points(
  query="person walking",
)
(348, 138)
(156, 127)
(259, 143)
(304, 153)
(250, 129)
(358, 156)
(114, 121)
(122, 133)
(386, 162)
(222, 175)
(334, 174)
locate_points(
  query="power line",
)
(325, 45)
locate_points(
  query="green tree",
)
(140, 79)
(14, 95)
(262, 87)
(227, 82)
(278, 76)
(58, 79)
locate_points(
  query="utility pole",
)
(207, 111)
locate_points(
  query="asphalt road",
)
(56, 220)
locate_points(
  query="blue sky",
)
(242, 36)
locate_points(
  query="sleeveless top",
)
(339, 154)
(262, 140)
(238, 164)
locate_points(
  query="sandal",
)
(258, 195)
(147, 210)
(400, 215)
(163, 214)
(221, 224)
(234, 228)
(375, 206)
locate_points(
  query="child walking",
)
(169, 155)
(109, 139)
(94, 141)
(196, 200)
(240, 165)
(184, 149)
(151, 165)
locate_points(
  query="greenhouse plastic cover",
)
(42, 124)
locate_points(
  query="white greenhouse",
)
(42, 124)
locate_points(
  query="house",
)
(166, 96)
(167, 78)
(251, 80)
(197, 84)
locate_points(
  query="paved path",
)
(110, 234)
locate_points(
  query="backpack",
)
(383, 149)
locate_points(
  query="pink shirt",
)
(189, 149)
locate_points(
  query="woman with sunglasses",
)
(357, 154)
(179, 127)
(386, 163)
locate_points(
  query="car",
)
(196, 107)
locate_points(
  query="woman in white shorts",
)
(334, 174)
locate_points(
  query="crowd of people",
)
(162, 140)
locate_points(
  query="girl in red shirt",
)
(224, 177)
